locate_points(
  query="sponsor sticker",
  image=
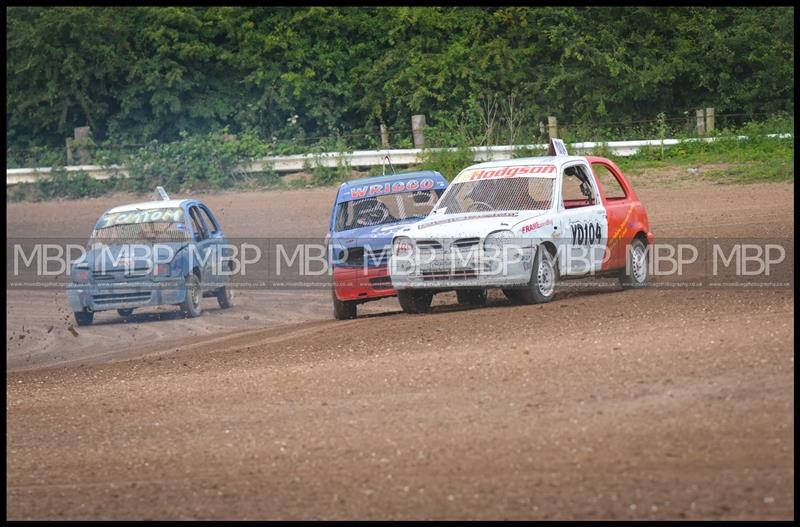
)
(505, 172)
(409, 185)
(140, 216)
(536, 225)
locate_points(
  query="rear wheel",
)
(84, 318)
(415, 302)
(125, 312)
(342, 309)
(191, 304)
(635, 273)
(225, 297)
(471, 297)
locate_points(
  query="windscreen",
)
(151, 225)
(510, 193)
(386, 209)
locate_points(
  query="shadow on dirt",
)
(144, 317)
(572, 291)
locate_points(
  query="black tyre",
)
(542, 286)
(84, 318)
(413, 301)
(636, 269)
(125, 312)
(513, 295)
(343, 310)
(471, 297)
(225, 297)
(191, 304)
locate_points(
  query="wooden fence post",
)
(552, 127)
(701, 122)
(710, 119)
(68, 141)
(82, 135)
(384, 136)
(418, 130)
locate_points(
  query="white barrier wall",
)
(363, 158)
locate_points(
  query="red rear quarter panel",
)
(627, 217)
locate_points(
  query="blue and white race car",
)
(365, 216)
(150, 254)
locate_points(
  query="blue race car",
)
(149, 254)
(365, 216)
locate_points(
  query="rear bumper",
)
(357, 283)
(93, 297)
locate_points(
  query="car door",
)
(204, 247)
(218, 245)
(583, 225)
(619, 207)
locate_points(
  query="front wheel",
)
(414, 302)
(84, 318)
(471, 297)
(635, 272)
(542, 286)
(513, 295)
(343, 310)
(191, 304)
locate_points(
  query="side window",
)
(209, 221)
(576, 188)
(197, 223)
(611, 185)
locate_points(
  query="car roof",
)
(523, 161)
(357, 188)
(160, 204)
(392, 177)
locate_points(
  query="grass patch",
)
(758, 158)
(753, 173)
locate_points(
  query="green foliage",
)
(143, 74)
(62, 184)
(327, 176)
(35, 157)
(447, 162)
(757, 157)
(728, 145)
(528, 152)
(211, 161)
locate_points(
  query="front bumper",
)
(357, 283)
(449, 273)
(97, 297)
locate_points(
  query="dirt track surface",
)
(616, 404)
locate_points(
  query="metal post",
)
(552, 127)
(418, 130)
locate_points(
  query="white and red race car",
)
(520, 225)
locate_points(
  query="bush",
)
(62, 184)
(448, 162)
(197, 162)
(35, 157)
